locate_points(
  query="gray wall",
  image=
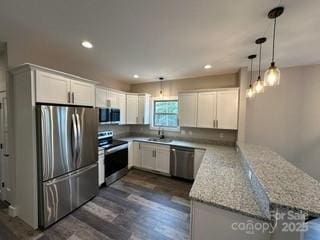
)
(172, 87)
(287, 118)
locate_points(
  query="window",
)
(165, 113)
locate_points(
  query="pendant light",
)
(161, 92)
(251, 91)
(259, 85)
(272, 75)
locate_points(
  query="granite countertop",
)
(285, 185)
(220, 181)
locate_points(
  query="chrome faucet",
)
(161, 133)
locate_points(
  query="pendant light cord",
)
(251, 73)
(260, 61)
(274, 36)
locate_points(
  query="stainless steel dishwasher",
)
(182, 162)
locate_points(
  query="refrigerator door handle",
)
(74, 139)
(79, 141)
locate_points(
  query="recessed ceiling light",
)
(87, 44)
(135, 76)
(208, 66)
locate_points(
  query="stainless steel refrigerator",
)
(67, 153)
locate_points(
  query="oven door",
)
(115, 115)
(104, 115)
(116, 163)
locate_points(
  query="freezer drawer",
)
(63, 194)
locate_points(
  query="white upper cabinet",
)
(138, 108)
(188, 104)
(132, 108)
(227, 109)
(101, 97)
(122, 107)
(144, 109)
(112, 99)
(207, 105)
(57, 89)
(52, 88)
(82, 93)
(214, 109)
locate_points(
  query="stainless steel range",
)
(116, 156)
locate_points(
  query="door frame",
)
(3, 147)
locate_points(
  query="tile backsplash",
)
(191, 134)
(118, 130)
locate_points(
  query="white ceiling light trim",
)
(208, 66)
(87, 44)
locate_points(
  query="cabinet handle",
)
(136, 119)
(217, 124)
(69, 97)
(72, 96)
(139, 146)
(155, 153)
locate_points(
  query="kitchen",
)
(199, 155)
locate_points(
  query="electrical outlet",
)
(183, 132)
(221, 135)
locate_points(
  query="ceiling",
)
(170, 38)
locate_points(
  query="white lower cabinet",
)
(163, 159)
(136, 154)
(101, 167)
(150, 156)
(198, 157)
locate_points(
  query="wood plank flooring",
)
(141, 205)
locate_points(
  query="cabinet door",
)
(113, 99)
(136, 154)
(227, 109)
(148, 156)
(132, 109)
(122, 107)
(101, 168)
(52, 88)
(207, 106)
(141, 107)
(163, 159)
(198, 157)
(83, 93)
(101, 97)
(188, 109)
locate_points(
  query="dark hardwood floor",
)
(141, 205)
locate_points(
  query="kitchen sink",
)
(157, 139)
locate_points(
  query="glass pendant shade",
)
(250, 92)
(272, 76)
(259, 86)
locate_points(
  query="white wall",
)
(287, 118)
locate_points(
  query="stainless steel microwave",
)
(109, 115)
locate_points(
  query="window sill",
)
(165, 129)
